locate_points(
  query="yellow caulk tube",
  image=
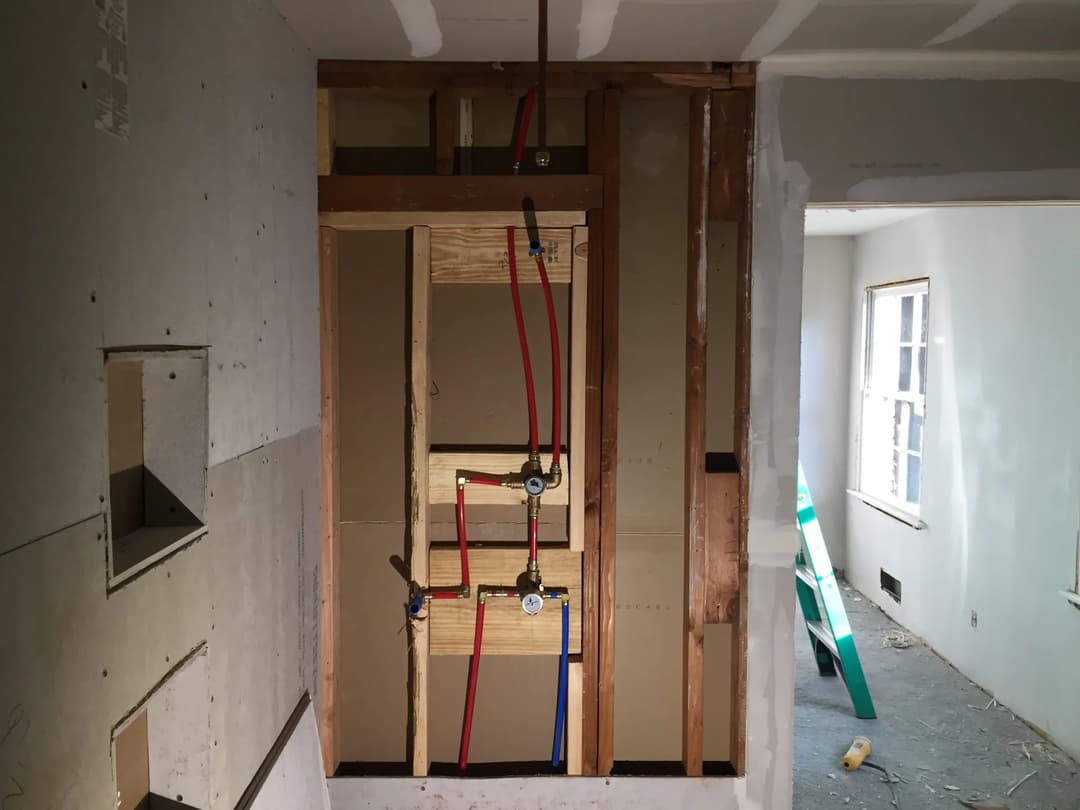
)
(860, 750)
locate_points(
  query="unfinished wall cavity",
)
(198, 230)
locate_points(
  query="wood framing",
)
(403, 220)
(696, 525)
(325, 130)
(728, 181)
(507, 630)
(478, 256)
(722, 558)
(742, 430)
(481, 77)
(442, 487)
(556, 192)
(329, 552)
(419, 402)
(609, 422)
(579, 299)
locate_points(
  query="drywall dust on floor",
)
(945, 738)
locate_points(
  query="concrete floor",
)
(934, 731)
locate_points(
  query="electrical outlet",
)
(974, 618)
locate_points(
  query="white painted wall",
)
(1001, 469)
(199, 230)
(823, 399)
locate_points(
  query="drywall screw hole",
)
(211, 698)
(202, 85)
(172, 376)
(84, 85)
(168, 331)
(168, 575)
(422, 788)
(205, 196)
(179, 798)
(211, 304)
(101, 498)
(166, 659)
(104, 673)
(93, 298)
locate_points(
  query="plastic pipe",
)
(556, 365)
(463, 543)
(470, 697)
(523, 128)
(530, 391)
(564, 676)
(481, 478)
(534, 532)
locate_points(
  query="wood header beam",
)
(518, 76)
(562, 192)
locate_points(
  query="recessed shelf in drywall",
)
(157, 439)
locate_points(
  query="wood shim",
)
(508, 630)
(442, 478)
(479, 256)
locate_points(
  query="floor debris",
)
(897, 639)
(1021, 781)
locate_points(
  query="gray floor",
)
(938, 732)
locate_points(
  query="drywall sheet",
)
(909, 141)
(296, 781)
(652, 318)
(178, 723)
(76, 662)
(828, 308)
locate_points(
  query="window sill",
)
(914, 521)
(1073, 597)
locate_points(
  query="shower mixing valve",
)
(532, 603)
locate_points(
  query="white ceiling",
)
(854, 221)
(675, 30)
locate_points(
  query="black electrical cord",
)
(890, 780)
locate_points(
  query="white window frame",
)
(893, 505)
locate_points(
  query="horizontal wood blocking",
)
(557, 192)
(479, 256)
(722, 547)
(443, 467)
(508, 630)
(403, 220)
(478, 77)
(475, 160)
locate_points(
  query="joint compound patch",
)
(111, 85)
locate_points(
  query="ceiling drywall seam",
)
(781, 24)
(979, 15)
(421, 26)
(595, 26)
(1040, 185)
(921, 64)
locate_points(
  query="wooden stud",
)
(507, 629)
(403, 220)
(554, 192)
(478, 256)
(418, 490)
(727, 156)
(742, 438)
(325, 127)
(722, 548)
(578, 313)
(330, 551)
(609, 433)
(696, 344)
(442, 480)
(481, 77)
(444, 129)
(574, 695)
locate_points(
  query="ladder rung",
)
(825, 636)
(806, 575)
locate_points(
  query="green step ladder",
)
(831, 640)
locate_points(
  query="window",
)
(157, 439)
(894, 395)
